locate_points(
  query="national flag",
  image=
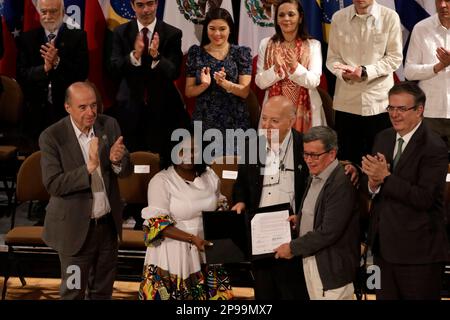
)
(316, 28)
(313, 18)
(329, 7)
(30, 15)
(12, 14)
(256, 22)
(95, 27)
(100, 19)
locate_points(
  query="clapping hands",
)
(50, 55)
(205, 76)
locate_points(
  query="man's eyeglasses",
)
(401, 109)
(313, 156)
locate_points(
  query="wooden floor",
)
(48, 289)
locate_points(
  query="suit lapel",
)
(387, 146)
(103, 151)
(60, 39)
(72, 143)
(158, 28)
(132, 32)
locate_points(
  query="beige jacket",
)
(375, 43)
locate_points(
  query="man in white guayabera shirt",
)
(365, 48)
(428, 61)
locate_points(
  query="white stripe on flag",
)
(251, 34)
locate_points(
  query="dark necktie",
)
(145, 59)
(51, 36)
(399, 152)
(146, 41)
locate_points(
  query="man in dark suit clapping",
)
(406, 177)
(146, 59)
(50, 59)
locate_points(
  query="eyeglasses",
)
(313, 156)
(401, 109)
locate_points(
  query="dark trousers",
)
(356, 133)
(409, 282)
(91, 272)
(279, 279)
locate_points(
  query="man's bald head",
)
(76, 87)
(283, 104)
(81, 104)
(278, 113)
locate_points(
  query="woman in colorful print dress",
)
(173, 230)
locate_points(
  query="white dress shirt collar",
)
(48, 32)
(80, 134)
(150, 27)
(407, 136)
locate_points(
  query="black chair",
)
(11, 101)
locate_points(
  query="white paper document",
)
(269, 230)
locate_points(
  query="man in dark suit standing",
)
(82, 156)
(50, 59)
(406, 177)
(146, 59)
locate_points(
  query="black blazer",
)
(158, 81)
(73, 65)
(407, 218)
(249, 183)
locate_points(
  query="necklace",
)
(223, 51)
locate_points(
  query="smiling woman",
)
(290, 64)
(218, 75)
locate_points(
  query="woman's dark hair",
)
(215, 14)
(165, 160)
(302, 32)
